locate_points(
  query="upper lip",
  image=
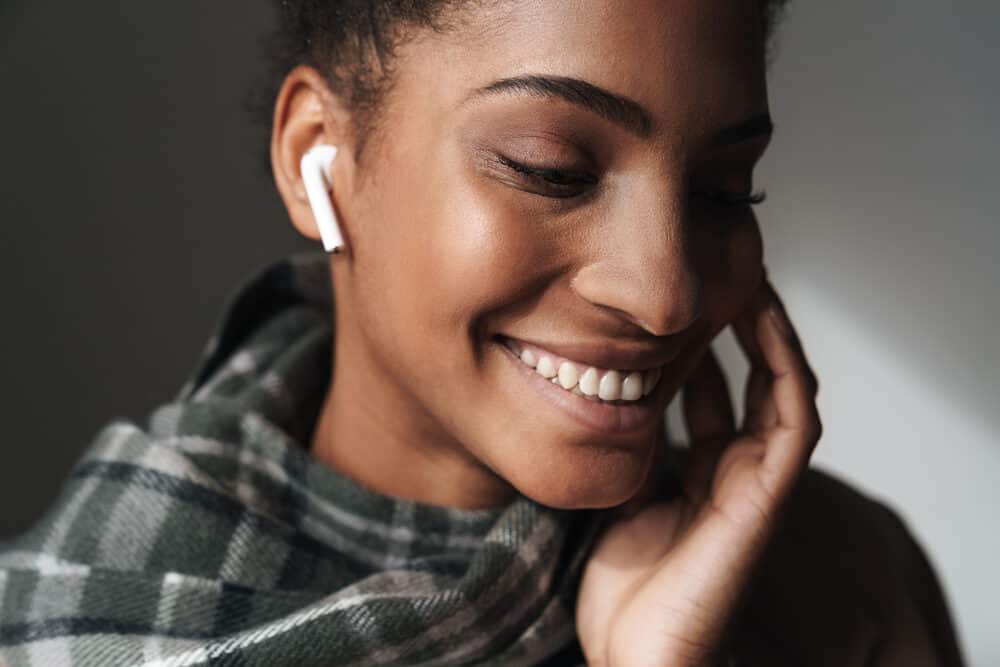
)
(610, 354)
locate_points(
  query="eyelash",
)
(545, 174)
(736, 199)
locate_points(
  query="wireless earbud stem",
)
(315, 169)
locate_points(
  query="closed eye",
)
(567, 183)
(563, 182)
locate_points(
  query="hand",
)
(663, 583)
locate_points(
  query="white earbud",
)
(315, 169)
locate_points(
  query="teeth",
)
(568, 375)
(546, 368)
(589, 382)
(632, 386)
(593, 383)
(611, 386)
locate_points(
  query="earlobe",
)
(309, 130)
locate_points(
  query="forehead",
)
(688, 62)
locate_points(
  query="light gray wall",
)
(880, 231)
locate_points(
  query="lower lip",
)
(595, 415)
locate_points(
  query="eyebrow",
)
(621, 110)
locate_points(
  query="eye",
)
(561, 183)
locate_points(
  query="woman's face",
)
(594, 214)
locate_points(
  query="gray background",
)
(133, 204)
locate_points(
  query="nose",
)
(642, 267)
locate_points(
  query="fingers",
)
(788, 329)
(708, 411)
(744, 327)
(759, 413)
(793, 437)
(708, 415)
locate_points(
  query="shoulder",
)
(845, 571)
(828, 515)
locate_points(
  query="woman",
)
(445, 444)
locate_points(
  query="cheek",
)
(483, 249)
(443, 252)
(731, 271)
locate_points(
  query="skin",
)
(448, 248)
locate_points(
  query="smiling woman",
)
(446, 444)
(538, 201)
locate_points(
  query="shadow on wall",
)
(112, 281)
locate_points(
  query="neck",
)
(375, 432)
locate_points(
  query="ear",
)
(306, 114)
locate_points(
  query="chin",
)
(594, 477)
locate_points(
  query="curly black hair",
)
(353, 42)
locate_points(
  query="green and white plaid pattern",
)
(212, 537)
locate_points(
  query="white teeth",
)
(593, 383)
(632, 386)
(649, 380)
(611, 386)
(546, 368)
(589, 382)
(568, 375)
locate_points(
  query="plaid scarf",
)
(212, 536)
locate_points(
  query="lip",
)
(594, 415)
(607, 355)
